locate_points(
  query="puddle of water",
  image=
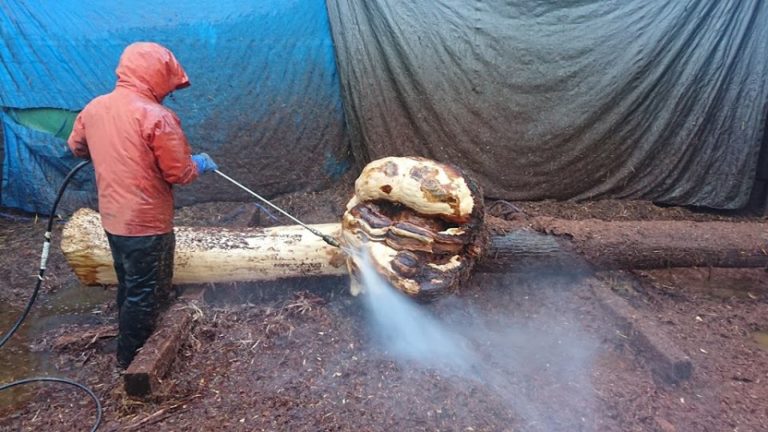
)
(761, 338)
(75, 304)
(16, 361)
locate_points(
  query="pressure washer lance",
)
(328, 239)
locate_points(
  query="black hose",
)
(62, 381)
(46, 248)
(43, 262)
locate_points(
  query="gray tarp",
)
(655, 99)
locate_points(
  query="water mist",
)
(521, 360)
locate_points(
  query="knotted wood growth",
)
(419, 221)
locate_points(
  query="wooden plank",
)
(666, 359)
(145, 374)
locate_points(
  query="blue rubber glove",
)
(204, 163)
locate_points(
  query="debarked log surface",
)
(211, 254)
(256, 254)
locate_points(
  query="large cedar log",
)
(256, 254)
(211, 254)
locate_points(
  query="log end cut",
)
(85, 247)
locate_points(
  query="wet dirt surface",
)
(299, 355)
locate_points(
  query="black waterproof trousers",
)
(144, 267)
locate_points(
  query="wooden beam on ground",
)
(667, 361)
(145, 374)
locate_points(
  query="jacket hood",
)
(150, 69)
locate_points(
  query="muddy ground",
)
(302, 356)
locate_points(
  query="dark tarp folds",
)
(656, 99)
(264, 102)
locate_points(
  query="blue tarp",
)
(35, 189)
(264, 101)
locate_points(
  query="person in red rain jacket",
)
(139, 152)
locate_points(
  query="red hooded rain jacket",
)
(137, 146)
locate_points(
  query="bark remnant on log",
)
(661, 244)
(526, 249)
